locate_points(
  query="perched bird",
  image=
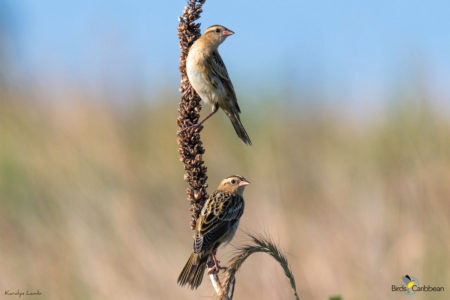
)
(209, 77)
(216, 225)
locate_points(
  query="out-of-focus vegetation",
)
(92, 202)
(93, 206)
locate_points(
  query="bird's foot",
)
(216, 267)
(212, 270)
(191, 128)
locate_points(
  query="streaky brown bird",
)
(216, 225)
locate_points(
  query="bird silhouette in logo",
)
(408, 281)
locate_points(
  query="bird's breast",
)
(204, 82)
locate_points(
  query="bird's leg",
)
(215, 109)
(216, 266)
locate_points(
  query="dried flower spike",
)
(191, 148)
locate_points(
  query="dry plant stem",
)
(259, 245)
(214, 277)
(231, 292)
(215, 281)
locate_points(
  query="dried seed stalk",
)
(190, 146)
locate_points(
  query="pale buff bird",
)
(216, 225)
(209, 77)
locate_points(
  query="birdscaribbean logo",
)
(410, 285)
(409, 282)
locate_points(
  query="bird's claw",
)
(212, 270)
(216, 268)
(191, 128)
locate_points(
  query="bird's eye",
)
(233, 181)
(217, 29)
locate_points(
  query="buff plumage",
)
(209, 77)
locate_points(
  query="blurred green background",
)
(92, 202)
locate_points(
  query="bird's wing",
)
(219, 70)
(218, 215)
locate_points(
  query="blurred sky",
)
(340, 47)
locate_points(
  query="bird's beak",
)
(244, 183)
(227, 32)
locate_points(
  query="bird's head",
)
(234, 184)
(216, 34)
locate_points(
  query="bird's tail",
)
(192, 273)
(239, 128)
